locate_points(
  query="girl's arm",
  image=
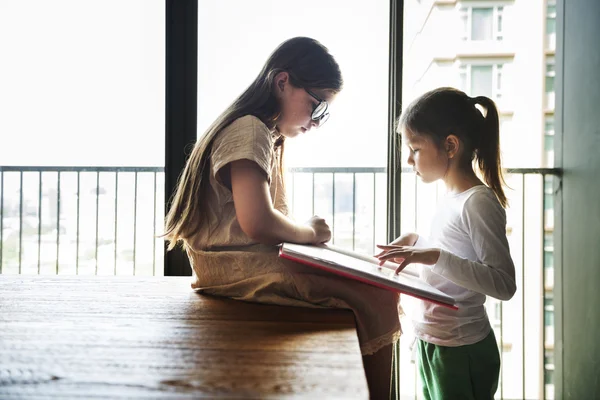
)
(407, 239)
(494, 273)
(256, 215)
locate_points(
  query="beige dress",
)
(226, 262)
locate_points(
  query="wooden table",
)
(113, 337)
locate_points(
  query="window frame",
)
(465, 70)
(466, 17)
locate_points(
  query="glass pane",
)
(549, 377)
(464, 22)
(346, 143)
(481, 81)
(549, 125)
(463, 79)
(549, 142)
(548, 259)
(549, 84)
(83, 88)
(499, 23)
(85, 94)
(482, 28)
(548, 241)
(526, 142)
(550, 26)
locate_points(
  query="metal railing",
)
(41, 207)
(107, 220)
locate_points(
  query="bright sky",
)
(82, 82)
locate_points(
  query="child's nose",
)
(410, 160)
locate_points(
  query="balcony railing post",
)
(77, 228)
(154, 228)
(523, 284)
(21, 218)
(116, 217)
(97, 216)
(1, 217)
(353, 210)
(39, 249)
(135, 187)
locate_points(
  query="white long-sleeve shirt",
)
(470, 230)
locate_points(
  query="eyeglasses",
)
(319, 114)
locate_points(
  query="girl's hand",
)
(322, 232)
(408, 239)
(405, 255)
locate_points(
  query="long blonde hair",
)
(308, 64)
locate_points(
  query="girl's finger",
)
(389, 256)
(394, 253)
(403, 265)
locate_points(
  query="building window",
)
(548, 193)
(551, 24)
(482, 23)
(549, 141)
(549, 310)
(548, 260)
(549, 241)
(549, 83)
(498, 313)
(549, 366)
(549, 359)
(482, 80)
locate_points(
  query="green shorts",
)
(463, 372)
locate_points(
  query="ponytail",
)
(487, 149)
(447, 111)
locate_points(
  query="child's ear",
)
(452, 145)
(280, 80)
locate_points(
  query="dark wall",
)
(578, 322)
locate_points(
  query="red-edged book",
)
(365, 269)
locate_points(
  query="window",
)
(549, 359)
(549, 83)
(482, 23)
(90, 100)
(549, 141)
(549, 310)
(482, 80)
(338, 185)
(498, 313)
(548, 241)
(549, 376)
(551, 24)
(548, 259)
(548, 193)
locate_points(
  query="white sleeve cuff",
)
(421, 242)
(441, 263)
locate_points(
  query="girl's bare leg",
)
(378, 369)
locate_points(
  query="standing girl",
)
(467, 255)
(229, 211)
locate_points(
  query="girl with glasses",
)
(229, 211)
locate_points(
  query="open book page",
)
(409, 270)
